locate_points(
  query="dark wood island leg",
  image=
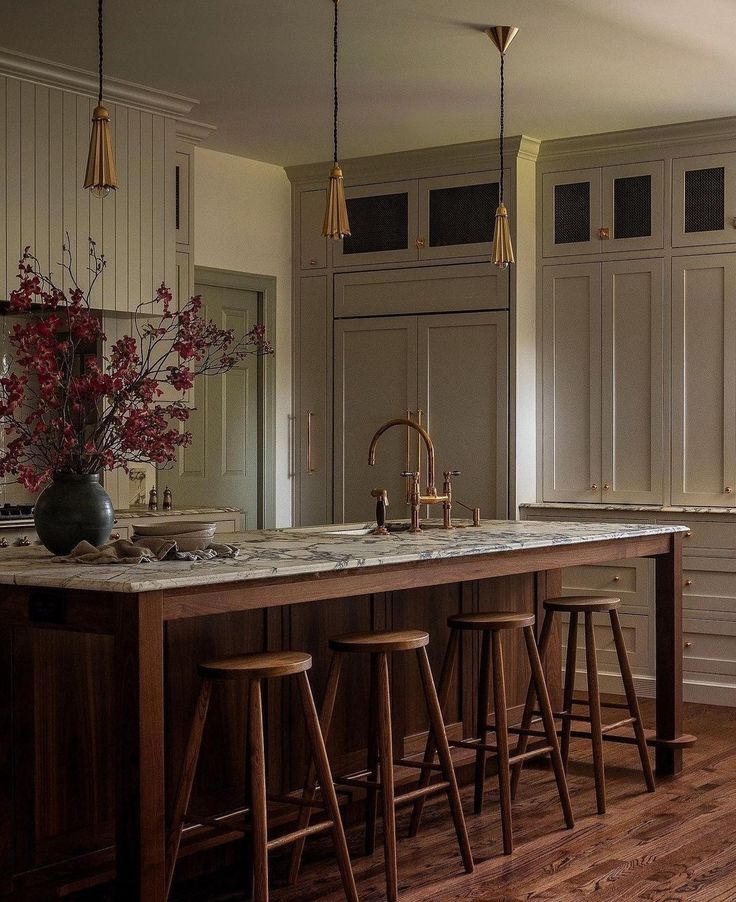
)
(669, 657)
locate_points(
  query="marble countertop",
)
(293, 552)
(141, 513)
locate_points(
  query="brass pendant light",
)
(102, 177)
(336, 225)
(503, 251)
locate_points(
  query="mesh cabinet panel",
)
(378, 223)
(462, 215)
(572, 213)
(705, 199)
(632, 207)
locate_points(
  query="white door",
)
(220, 467)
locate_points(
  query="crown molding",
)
(82, 81)
(410, 164)
(193, 132)
(656, 136)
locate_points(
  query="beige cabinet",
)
(704, 380)
(603, 382)
(313, 246)
(603, 210)
(451, 367)
(383, 225)
(704, 200)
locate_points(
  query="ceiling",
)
(414, 73)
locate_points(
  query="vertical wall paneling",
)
(4, 271)
(158, 201)
(27, 164)
(80, 244)
(70, 176)
(122, 200)
(134, 209)
(41, 177)
(146, 194)
(169, 179)
(55, 229)
(12, 174)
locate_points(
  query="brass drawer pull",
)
(688, 582)
(421, 242)
(312, 262)
(616, 579)
(688, 645)
(594, 487)
(114, 536)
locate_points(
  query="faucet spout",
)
(431, 487)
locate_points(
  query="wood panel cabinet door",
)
(704, 380)
(375, 381)
(571, 212)
(632, 386)
(313, 462)
(633, 202)
(704, 200)
(463, 390)
(572, 382)
(312, 244)
(383, 225)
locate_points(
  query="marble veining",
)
(276, 553)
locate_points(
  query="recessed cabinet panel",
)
(704, 200)
(704, 380)
(632, 395)
(572, 382)
(312, 245)
(571, 212)
(633, 198)
(181, 198)
(383, 223)
(457, 215)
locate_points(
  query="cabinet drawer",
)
(638, 638)
(709, 585)
(710, 648)
(120, 532)
(631, 581)
(707, 534)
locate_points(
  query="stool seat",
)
(582, 603)
(262, 665)
(380, 641)
(490, 620)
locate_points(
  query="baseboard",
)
(699, 691)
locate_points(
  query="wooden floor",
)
(678, 843)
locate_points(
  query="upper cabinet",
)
(426, 219)
(312, 250)
(704, 200)
(603, 210)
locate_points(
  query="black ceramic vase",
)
(72, 508)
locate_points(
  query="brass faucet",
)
(416, 498)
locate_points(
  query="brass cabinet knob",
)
(23, 542)
(604, 233)
(688, 582)
(728, 489)
(687, 535)
(3, 543)
(688, 645)
(312, 262)
(421, 242)
(594, 486)
(616, 579)
(114, 536)
(606, 486)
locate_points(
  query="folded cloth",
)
(143, 551)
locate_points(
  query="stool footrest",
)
(414, 794)
(474, 744)
(287, 839)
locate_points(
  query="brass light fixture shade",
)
(503, 251)
(336, 225)
(102, 176)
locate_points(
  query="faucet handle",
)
(450, 473)
(409, 474)
(380, 494)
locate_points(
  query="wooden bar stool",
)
(589, 605)
(492, 679)
(253, 669)
(378, 778)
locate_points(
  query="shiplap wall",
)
(44, 139)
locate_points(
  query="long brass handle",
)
(310, 466)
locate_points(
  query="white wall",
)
(242, 222)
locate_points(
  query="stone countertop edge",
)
(283, 553)
(131, 513)
(597, 508)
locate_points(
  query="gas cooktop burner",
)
(16, 512)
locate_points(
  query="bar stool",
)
(378, 778)
(491, 625)
(253, 669)
(588, 605)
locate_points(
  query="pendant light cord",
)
(335, 105)
(99, 35)
(500, 181)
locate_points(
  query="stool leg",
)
(371, 797)
(186, 781)
(526, 720)
(502, 743)
(322, 766)
(386, 757)
(594, 698)
(633, 702)
(257, 757)
(484, 691)
(570, 665)
(549, 724)
(310, 786)
(437, 730)
(443, 690)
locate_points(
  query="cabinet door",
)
(571, 212)
(312, 427)
(704, 200)
(632, 390)
(457, 215)
(375, 381)
(463, 389)
(572, 382)
(633, 200)
(181, 193)
(383, 225)
(312, 244)
(704, 380)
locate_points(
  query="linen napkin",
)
(144, 551)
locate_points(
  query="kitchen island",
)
(288, 588)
